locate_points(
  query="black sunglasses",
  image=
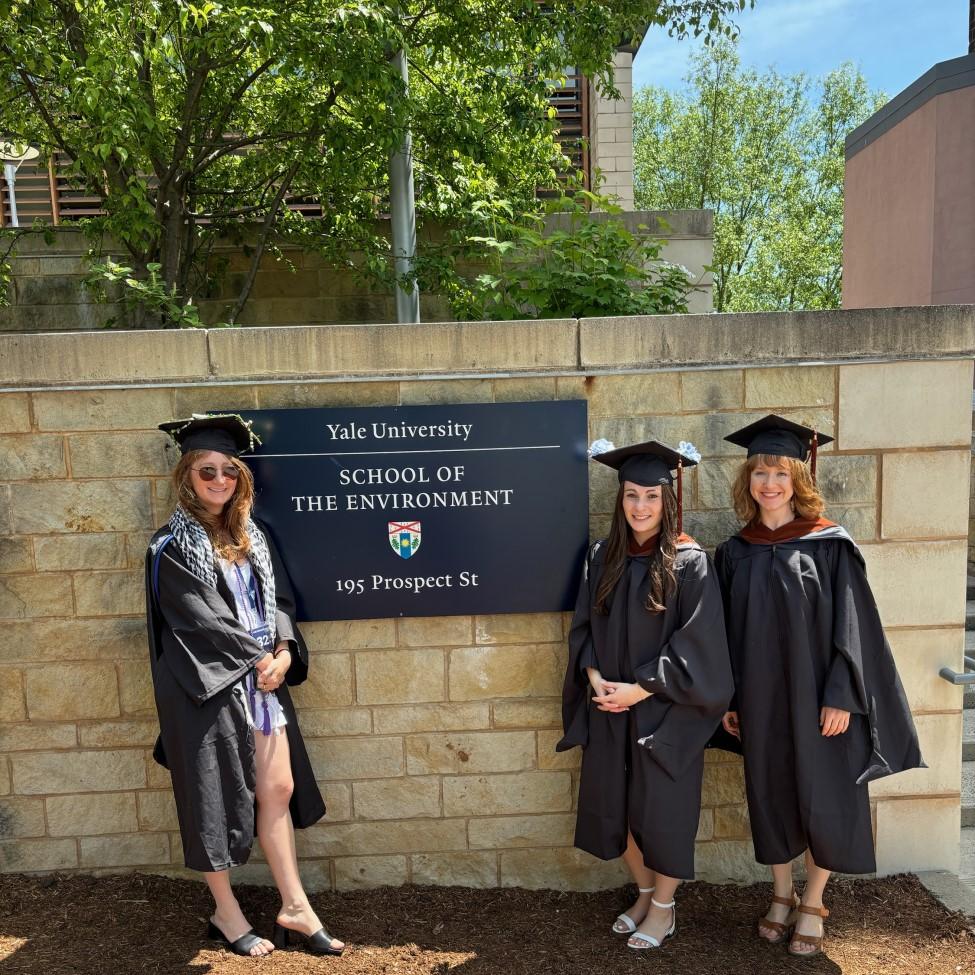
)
(209, 473)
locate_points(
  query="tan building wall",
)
(47, 295)
(909, 196)
(611, 133)
(433, 738)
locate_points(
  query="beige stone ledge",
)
(58, 773)
(362, 873)
(940, 738)
(507, 794)
(505, 832)
(919, 655)
(400, 676)
(406, 798)
(101, 357)
(393, 349)
(431, 717)
(88, 815)
(560, 869)
(398, 836)
(74, 640)
(470, 752)
(918, 583)
(918, 834)
(941, 479)
(17, 856)
(478, 870)
(905, 404)
(726, 339)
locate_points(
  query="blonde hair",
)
(807, 502)
(227, 531)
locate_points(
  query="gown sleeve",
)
(582, 654)
(210, 649)
(722, 573)
(693, 667)
(691, 680)
(870, 673)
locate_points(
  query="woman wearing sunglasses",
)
(223, 649)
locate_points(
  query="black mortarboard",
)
(646, 464)
(227, 433)
(778, 437)
(649, 464)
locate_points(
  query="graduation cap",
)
(227, 433)
(648, 464)
(779, 437)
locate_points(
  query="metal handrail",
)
(953, 677)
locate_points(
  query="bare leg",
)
(812, 896)
(228, 916)
(782, 882)
(274, 828)
(659, 919)
(642, 876)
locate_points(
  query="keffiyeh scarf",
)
(197, 550)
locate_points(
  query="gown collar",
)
(757, 533)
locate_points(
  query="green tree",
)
(766, 154)
(198, 120)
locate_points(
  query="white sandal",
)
(648, 941)
(627, 924)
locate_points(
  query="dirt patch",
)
(153, 926)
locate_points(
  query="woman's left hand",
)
(833, 721)
(272, 677)
(619, 696)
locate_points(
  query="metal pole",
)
(10, 173)
(403, 213)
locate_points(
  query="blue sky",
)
(893, 41)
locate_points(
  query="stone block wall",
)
(433, 739)
(611, 133)
(47, 295)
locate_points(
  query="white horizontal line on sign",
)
(373, 453)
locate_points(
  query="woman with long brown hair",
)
(223, 649)
(819, 707)
(647, 682)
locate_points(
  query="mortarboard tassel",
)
(812, 459)
(680, 497)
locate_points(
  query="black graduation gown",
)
(642, 769)
(199, 652)
(804, 633)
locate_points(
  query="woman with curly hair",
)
(647, 682)
(819, 708)
(223, 649)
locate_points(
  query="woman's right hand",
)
(730, 724)
(600, 688)
(264, 663)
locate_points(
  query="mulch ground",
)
(149, 925)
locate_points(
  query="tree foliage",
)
(565, 262)
(198, 120)
(766, 153)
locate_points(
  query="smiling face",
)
(215, 493)
(644, 510)
(771, 487)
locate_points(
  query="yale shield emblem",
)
(404, 537)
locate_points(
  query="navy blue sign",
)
(426, 510)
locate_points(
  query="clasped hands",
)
(271, 670)
(613, 695)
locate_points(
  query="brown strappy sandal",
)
(809, 939)
(781, 929)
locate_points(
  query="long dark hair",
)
(660, 565)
